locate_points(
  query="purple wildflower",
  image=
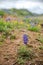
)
(8, 19)
(25, 39)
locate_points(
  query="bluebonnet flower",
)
(25, 39)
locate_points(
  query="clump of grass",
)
(35, 29)
(40, 38)
(41, 47)
(2, 26)
(25, 53)
(5, 26)
(12, 37)
(1, 43)
(2, 13)
(1, 40)
(20, 61)
(6, 34)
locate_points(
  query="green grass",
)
(1, 40)
(12, 37)
(41, 47)
(40, 38)
(1, 43)
(6, 34)
(9, 26)
(6, 26)
(35, 29)
(2, 13)
(20, 61)
(25, 53)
